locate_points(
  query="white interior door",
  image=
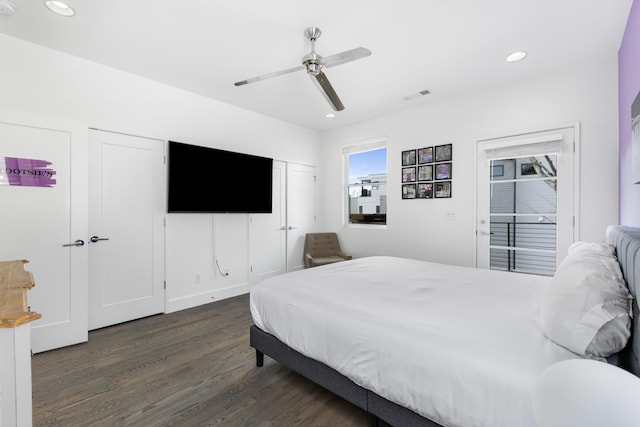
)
(526, 198)
(268, 246)
(301, 211)
(126, 226)
(40, 214)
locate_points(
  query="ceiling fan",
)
(315, 65)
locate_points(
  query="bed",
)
(415, 343)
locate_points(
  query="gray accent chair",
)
(321, 249)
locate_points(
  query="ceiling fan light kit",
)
(315, 64)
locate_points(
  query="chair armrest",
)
(344, 255)
(308, 260)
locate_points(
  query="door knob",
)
(95, 239)
(76, 243)
(292, 228)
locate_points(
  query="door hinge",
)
(165, 284)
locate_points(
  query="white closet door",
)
(301, 211)
(126, 222)
(38, 218)
(268, 232)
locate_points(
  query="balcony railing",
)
(525, 247)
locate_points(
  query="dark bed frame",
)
(627, 243)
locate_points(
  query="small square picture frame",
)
(443, 153)
(408, 157)
(424, 190)
(443, 171)
(425, 173)
(425, 155)
(442, 189)
(408, 191)
(409, 174)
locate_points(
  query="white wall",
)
(422, 229)
(40, 80)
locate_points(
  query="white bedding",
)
(458, 345)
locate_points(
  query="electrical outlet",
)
(196, 278)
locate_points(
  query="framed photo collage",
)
(427, 172)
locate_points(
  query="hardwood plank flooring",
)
(190, 368)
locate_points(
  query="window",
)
(366, 189)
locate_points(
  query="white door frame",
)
(576, 175)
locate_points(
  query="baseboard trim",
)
(190, 301)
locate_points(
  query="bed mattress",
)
(458, 345)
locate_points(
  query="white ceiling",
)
(445, 46)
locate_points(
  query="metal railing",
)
(526, 247)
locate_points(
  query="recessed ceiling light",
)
(517, 56)
(59, 7)
(330, 115)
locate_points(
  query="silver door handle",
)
(283, 228)
(76, 243)
(95, 239)
(292, 228)
(484, 233)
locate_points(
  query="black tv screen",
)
(203, 179)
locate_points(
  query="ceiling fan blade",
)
(268, 76)
(327, 90)
(346, 56)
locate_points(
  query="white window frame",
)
(359, 147)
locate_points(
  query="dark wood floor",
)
(190, 368)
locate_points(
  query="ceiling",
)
(445, 46)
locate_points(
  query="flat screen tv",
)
(209, 180)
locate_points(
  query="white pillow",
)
(587, 307)
(603, 249)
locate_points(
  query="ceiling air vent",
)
(416, 95)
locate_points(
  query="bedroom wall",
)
(40, 80)
(629, 86)
(443, 230)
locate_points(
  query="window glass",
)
(523, 212)
(367, 187)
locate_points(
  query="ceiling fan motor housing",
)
(313, 62)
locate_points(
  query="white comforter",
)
(458, 345)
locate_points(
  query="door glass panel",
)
(523, 215)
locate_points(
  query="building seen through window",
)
(367, 187)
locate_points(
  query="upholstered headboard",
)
(627, 243)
